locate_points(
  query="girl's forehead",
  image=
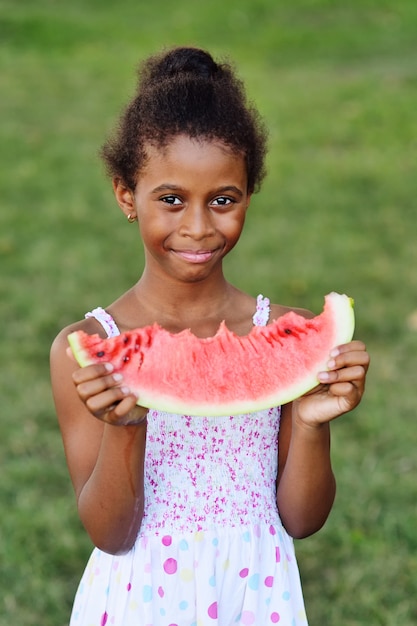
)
(189, 161)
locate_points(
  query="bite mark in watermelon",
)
(224, 374)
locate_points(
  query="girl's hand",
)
(341, 387)
(105, 395)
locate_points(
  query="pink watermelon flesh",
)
(225, 374)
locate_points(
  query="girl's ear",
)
(125, 197)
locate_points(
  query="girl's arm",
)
(105, 461)
(306, 484)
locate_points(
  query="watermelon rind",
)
(226, 349)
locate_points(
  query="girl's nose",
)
(196, 222)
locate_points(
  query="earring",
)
(132, 218)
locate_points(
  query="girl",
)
(192, 518)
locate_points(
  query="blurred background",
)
(336, 82)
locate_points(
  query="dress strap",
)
(263, 309)
(105, 320)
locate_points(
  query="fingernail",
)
(117, 377)
(109, 367)
(125, 390)
(334, 352)
(331, 364)
(323, 376)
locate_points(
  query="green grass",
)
(337, 85)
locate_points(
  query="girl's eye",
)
(222, 201)
(174, 200)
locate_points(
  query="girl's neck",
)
(181, 298)
(198, 306)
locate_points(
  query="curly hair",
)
(184, 91)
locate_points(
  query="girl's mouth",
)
(198, 256)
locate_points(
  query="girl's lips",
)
(201, 256)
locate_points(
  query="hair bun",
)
(183, 91)
(185, 61)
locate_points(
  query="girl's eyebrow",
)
(173, 187)
(231, 188)
(167, 187)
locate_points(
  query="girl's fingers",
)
(127, 412)
(342, 385)
(349, 354)
(108, 399)
(92, 387)
(123, 413)
(90, 372)
(353, 346)
(346, 361)
(70, 354)
(345, 374)
(104, 394)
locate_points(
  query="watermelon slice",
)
(225, 374)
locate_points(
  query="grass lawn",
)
(337, 85)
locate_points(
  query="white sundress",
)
(211, 550)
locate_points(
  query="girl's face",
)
(190, 200)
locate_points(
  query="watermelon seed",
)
(126, 359)
(101, 353)
(287, 331)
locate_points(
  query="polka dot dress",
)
(211, 550)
